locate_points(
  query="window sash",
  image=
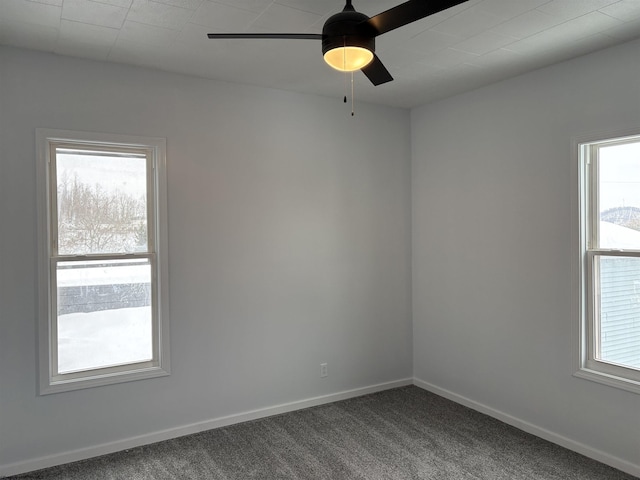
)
(56, 376)
(592, 360)
(147, 153)
(591, 158)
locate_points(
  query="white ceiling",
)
(462, 48)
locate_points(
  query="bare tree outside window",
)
(92, 219)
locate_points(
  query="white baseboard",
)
(111, 447)
(587, 451)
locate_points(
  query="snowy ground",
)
(104, 338)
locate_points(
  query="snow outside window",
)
(103, 299)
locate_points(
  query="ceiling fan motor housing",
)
(347, 28)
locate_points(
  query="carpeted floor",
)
(400, 434)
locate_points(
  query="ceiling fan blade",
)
(408, 12)
(377, 72)
(302, 36)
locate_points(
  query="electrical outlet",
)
(324, 370)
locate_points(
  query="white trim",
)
(154, 149)
(132, 442)
(578, 238)
(43, 217)
(583, 364)
(581, 448)
(133, 372)
(611, 380)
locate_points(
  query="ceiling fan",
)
(348, 37)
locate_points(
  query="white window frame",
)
(586, 363)
(50, 381)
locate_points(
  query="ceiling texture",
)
(459, 49)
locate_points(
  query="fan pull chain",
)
(345, 87)
(352, 97)
(344, 66)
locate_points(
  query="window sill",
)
(608, 379)
(69, 384)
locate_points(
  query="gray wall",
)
(289, 245)
(492, 247)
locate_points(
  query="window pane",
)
(101, 199)
(619, 310)
(619, 196)
(104, 313)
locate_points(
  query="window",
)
(610, 261)
(103, 311)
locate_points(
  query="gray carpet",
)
(400, 434)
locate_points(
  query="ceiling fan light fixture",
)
(348, 58)
(349, 37)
